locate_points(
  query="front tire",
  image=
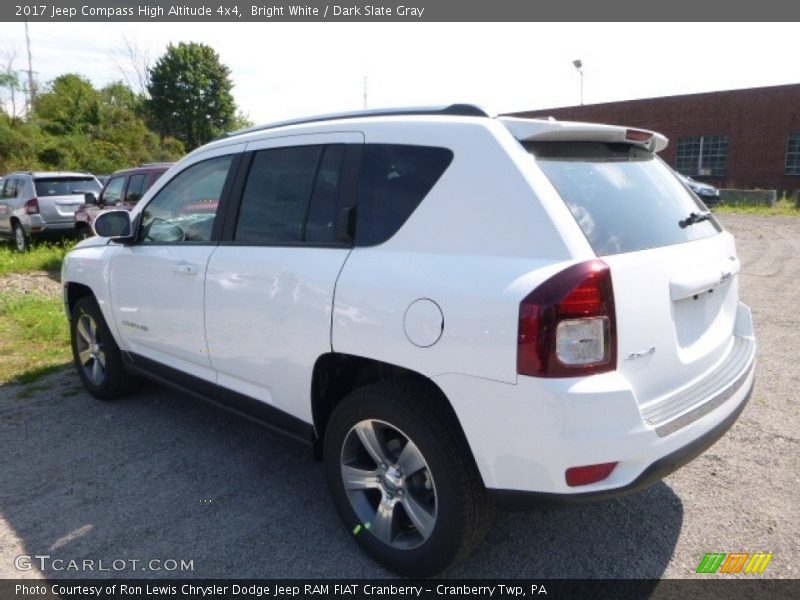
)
(97, 356)
(402, 478)
(83, 233)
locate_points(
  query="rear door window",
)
(276, 195)
(136, 188)
(393, 181)
(10, 188)
(624, 198)
(320, 224)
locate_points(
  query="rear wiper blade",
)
(693, 218)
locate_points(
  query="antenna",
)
(365, 92)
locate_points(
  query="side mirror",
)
(114, 224)
(90, 198)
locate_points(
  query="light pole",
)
(579, 66)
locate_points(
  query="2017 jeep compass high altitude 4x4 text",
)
(453, 309)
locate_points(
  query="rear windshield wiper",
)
(693, 218)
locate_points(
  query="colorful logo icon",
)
(736, 562)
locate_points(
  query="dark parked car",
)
(123, 189)
(706, 192)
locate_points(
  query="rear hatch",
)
(675, 276)
(60, 196)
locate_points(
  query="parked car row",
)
(50, 204)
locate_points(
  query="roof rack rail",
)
(453, 110)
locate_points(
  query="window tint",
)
(392, 182)
(623, 198)
(136, 188)
(113, 190)
(276, 194)
(321, 222)
(10, 188)
(65, 186)
(185, 208)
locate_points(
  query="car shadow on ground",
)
(158, 476)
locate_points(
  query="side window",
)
(323, 208)
(393, 181)
(136, 188)
(185, 208)
(276, 195)
(113, 190)
(9, 188)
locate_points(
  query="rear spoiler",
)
(550, 130)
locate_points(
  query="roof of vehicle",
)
(523, 129)
(49, 174)
(145, 168)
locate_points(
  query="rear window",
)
(66, 186)
(624, 198)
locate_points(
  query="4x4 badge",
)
(633, 355)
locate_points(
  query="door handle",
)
(186, 268)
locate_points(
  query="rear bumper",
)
(35, 226)
(525, 436)
(517, 499)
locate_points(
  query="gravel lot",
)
(158, 476)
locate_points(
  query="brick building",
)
(738, 138)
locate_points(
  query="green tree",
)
(69, 105)
(190, 94)
(77, 127)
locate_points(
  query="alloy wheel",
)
(91, 355)
(389, 484)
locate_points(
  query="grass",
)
(784, 207)
(41, 257)
(34, 337)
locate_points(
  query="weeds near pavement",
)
(41, 257)
(784, 207)
(34, 337)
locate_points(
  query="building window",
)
(703, 155)
(793, 154)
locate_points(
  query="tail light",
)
(32, 206)
(567, 325)
(576, 476)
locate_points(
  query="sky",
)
(285, 70)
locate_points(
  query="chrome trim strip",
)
(670, 414)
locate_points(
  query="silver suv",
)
(34, 204)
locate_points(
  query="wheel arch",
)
(336, 375)
(76, 291)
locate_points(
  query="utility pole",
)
(31, 84)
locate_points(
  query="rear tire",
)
(403, 479)
(97, 356)
(21, 242)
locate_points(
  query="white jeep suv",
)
(452, 309)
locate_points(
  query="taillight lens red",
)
(576, 476)
(567, 325)
(32, 206)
